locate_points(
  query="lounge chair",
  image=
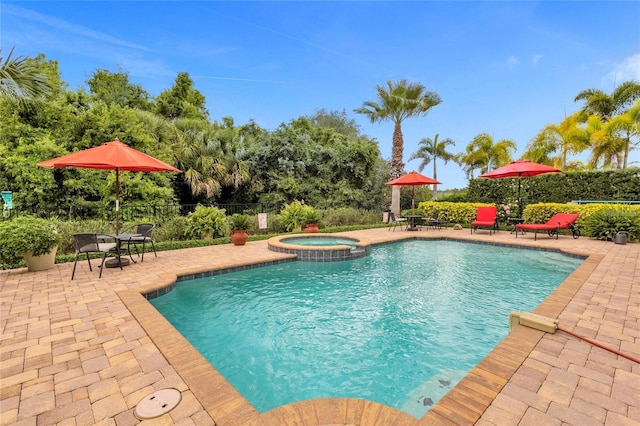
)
(553, 226)
(486, 217)
(397, 221)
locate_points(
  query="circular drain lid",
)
(158, 403)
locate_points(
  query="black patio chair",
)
(90, 243)
(397, 221)
(145, 230)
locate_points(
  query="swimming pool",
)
(399, 327)
(320, 241)
(320, 247)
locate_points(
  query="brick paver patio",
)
(85, 352)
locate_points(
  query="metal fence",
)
(155, 212)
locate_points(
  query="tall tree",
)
(198, 154)
(182, 100)
(626, 127)
(607, 106)
(606, 148)
(115, 88)
(485, 154)
(568, 137)
(21, 79)
(432, 149)
(396, 102)
(336, 120)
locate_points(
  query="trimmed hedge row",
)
(599, 221)
(603, 185)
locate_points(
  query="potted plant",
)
(30, 238)
(239, 224)
(311, 218)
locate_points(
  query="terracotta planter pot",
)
(42, 262)
(311, 228)
(239, 236)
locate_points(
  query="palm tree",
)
(211, 156)
(607, 106)
(198, 155)
(21, 79)
(605, 146)
(485, 154)
(429, 149)
(398, 101)
(566, 137)
(625, 127)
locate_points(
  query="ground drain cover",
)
(158, 403)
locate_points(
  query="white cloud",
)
(70, 29)
(512, 61)
(628, 69)
(536, 59)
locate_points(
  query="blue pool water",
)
(401, 326)
(319, 241)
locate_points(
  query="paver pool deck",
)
(85, 352)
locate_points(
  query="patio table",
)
(118, 238)
(412, 219)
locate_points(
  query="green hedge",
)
(605, 185)
(462, 213)
(600, 221)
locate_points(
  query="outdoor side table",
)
(514, 221)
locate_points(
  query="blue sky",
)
(507, 68)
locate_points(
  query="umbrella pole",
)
(413, 204)
(519, 200)
(117, 201)
(117, 261)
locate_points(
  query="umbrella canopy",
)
(412, 179)
(113, 155)
(520, 168)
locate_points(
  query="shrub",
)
(206, 222)
(462, 213)
(26, 234)
(604, 223)
(413, 212)
(346, 216)
(459, 197)
(67, 228)
(172, 229)
(292, 215)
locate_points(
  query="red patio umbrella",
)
(113, 155)
(520, 168)
(412, 179)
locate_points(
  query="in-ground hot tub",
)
(320, 247)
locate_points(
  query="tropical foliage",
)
(398, 101)
(432, 149)
(606, 222)
(21, 79)
(239, 222)
(323, 158)
(206, 222)
(485, 154)
(556, 141)
(293, 216)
